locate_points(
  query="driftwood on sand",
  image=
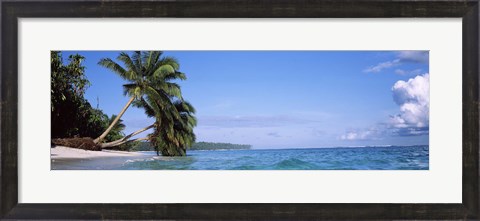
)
(85, 143)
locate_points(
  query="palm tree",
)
(149, 76)
(173, 127)
(172, 138)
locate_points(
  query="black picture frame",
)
(469, 209)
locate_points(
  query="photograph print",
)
(240, 110)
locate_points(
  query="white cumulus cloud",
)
(413, 97)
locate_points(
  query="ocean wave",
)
(140, 160)
(294, 164)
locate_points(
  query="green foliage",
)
(218, 146)
(150, 77)
(173, 131)
(72, 115)
(96, 122)
(129, 146)
(142, 146)
(117, 130)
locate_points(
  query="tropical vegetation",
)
(219, 146)
(71, 114)
(151, 85)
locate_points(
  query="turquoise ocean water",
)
(341, 158)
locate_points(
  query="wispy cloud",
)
(274, 134)
(384, 65)
(414, 56)
(408, 72)
(401, 58)
(253, 121)
(317, 133)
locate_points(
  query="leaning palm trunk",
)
(101, 137)
(127, 141)
(121, 141)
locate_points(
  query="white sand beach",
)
(66, 158)
(61, 152)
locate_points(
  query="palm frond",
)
(170, 61)
(119, 126)
(127, 60)
(129, 89)
(171, 89)
(163, 71)
(142, 103)
(174, 76)
(137, 61)
(151, 58)
(115, 67)
(166, 61)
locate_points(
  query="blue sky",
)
(289, 99)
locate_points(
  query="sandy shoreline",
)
(61, 152)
